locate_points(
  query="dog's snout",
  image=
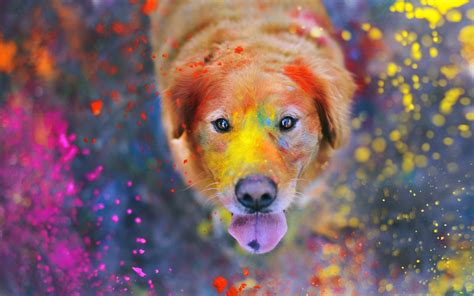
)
(256, 192)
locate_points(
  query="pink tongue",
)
(258, 233)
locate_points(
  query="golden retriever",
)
(255, 97)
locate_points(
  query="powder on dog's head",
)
(279, 117)
(334, 129)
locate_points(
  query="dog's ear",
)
(332, 88)
(183, 96)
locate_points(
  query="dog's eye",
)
(221, 125)
(287, 123)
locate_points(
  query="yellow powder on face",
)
(249, 147)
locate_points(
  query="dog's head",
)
(257, 134)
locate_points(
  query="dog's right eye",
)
(221, 125)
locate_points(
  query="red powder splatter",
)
(131, 88)
(143, 116)
(112, 70)
(100, 28)
(220, 283)
(315, 281)
(238, 49)
(301, 75)
(246, 272)
(164, 55)
(149, 6)
(96, 107)
(115, 96)
(231, 292)
(242, 287)
(118, 28)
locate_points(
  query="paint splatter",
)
(96, 107)
(139, 271)
(220, 283)
(149, 6)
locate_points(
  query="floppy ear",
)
(183, 96)
(332, 89)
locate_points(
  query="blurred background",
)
(90, 203)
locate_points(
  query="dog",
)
(255, 100)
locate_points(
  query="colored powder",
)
(220, 283)
(96, 107)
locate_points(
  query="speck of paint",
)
(150, 283)
(96, 107)
(99, 28)
(238, 49)
(115, 218)
(220, 283)
(138, 220)
(129, 211)
(149, 6)
(139, 271)
(91, 176)
(245, 272)
(172, 190)
(141, 240)
(118, 28)
(138, 198)
(129, 183)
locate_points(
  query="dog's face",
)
(258, 128)
(255, 133)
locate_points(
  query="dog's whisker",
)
(206, 190)
(196, 183)
(212, 200)
(297, 179)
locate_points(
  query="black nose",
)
(256, 192)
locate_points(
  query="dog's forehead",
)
(249, 89)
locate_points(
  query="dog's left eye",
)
(221, 125)
(287, 123)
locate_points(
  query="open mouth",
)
(258, 232)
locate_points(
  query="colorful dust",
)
(90, 203)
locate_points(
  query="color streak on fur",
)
(248, 147)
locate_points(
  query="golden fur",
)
(235, 58)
